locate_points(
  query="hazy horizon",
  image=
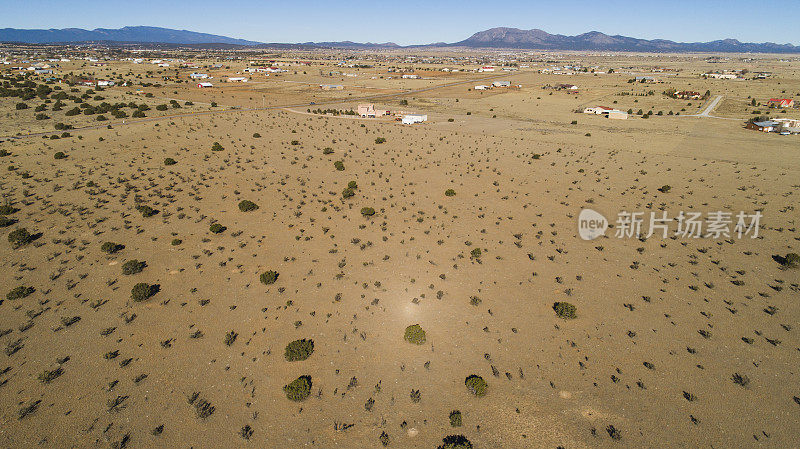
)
(416, 22)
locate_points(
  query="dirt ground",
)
(677, 342)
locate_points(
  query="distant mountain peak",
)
(536, 39)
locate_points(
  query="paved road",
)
(127, 122)
(710, 107)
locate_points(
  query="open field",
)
(674, 342)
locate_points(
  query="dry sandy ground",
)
(662, 327)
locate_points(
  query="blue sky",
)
(414, 22)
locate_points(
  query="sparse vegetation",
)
(143, 291)
(19, 292)
(565, 310)
(415, 334)
(299, 350)
(476, 385)
(299, 389)
(269, 277)
(247, 206)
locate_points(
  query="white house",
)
(237, 79)
(721, 76)
(482, 87)
(368, 110)
(487, 68)
(411, 77)
(198, 76)
(597, 110)
(105, 83)
(202, 85)
(410, 119)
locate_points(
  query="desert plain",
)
(240, 268)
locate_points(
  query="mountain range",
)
(495, 38)
(137, 34)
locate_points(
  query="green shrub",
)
(476, 385)
(7, 209)
(138, 114)
(247, 206)
(792, 260)
(299, 350)
(60, 155)
(217, 228)
(339, 165)
(475, 253)
(455, 442)
(455, 418)
(216, 147)
(327, 150)
(415, 334)
(367, 211)
(352, 185)
(111, 247)
(299, 389)
(142, 291)
(256, 135)
(176, 242)
(269, 277)
(565, 310)
(295, 142)
(19, 237)
(348, 193)
(665, 189)
(146, 211)
(6, 222)
(162, 107)
(380, 140)
(133, 266)
(21, 106)
(19, 292)
(449, 192)
(170, 161)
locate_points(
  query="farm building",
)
(411, 77)
(501, 84)
(237, 79)
(410, 119)
(788, 122)
(203, 85)
(331, 87)
(198, 76)
(486, 68)
(617, 115)
(482, 87)
(781, 103)
(105, 83)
